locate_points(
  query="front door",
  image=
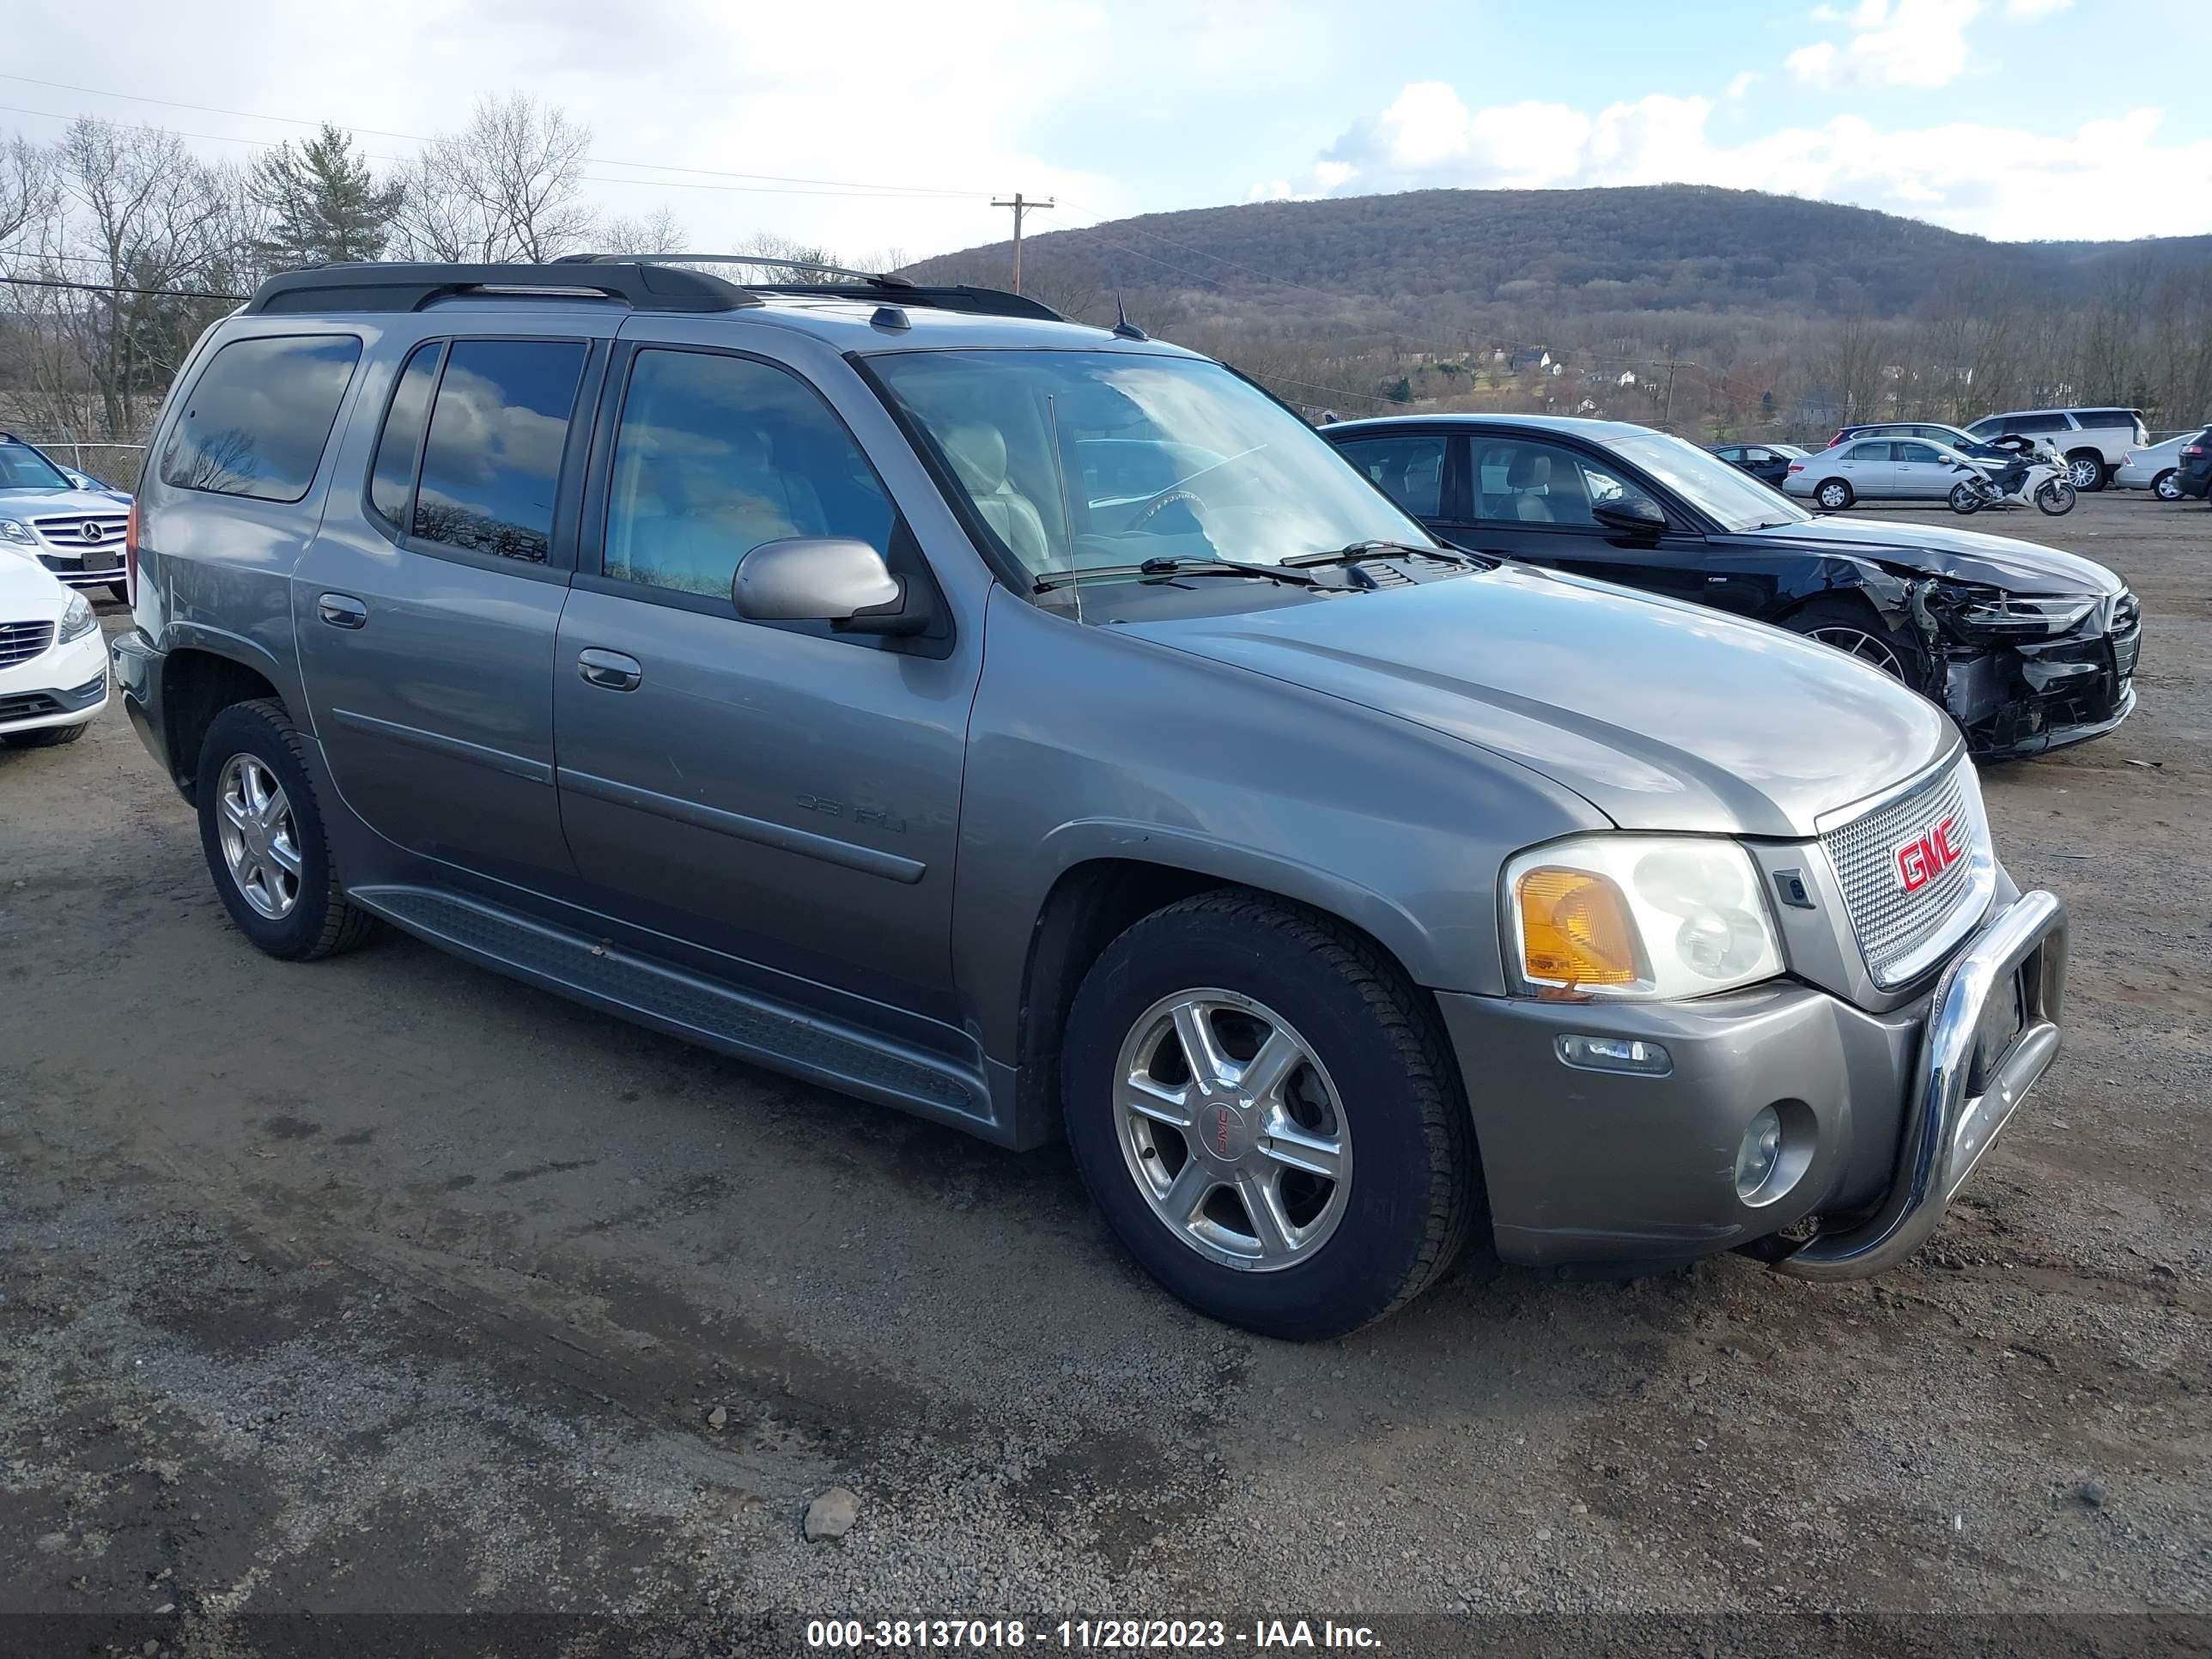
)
(775, 792)
(427, 607)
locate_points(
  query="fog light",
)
(1761, 1151)
(1606, 1054)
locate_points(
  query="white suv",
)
(2094, 441)
(53, 663)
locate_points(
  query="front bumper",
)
(1879, 1127)
(92, 571)
(2014, 698)
(66, 685)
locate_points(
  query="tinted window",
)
(1518, 480)
(2029, 424)
(391, 479)
(1869, 452)
(716, 455)
(2123, 417)
(258, 417)
(1409, 471)
(496, 433)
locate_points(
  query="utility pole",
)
(1021, 205)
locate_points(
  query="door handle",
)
(341, 610)
(610, 671)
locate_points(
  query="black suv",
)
(2025, 647)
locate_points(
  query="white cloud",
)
(2026, 11)
(2114, 178)
(1913, 43)
(1741, 84)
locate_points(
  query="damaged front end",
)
(2021, 674)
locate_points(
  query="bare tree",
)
(26, 189)
(658, 232)
(508, 186)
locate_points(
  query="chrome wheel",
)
(1232, 1130)
(1865, 646)
(260, 842)
(2085, 471)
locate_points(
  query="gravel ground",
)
(387, 1284)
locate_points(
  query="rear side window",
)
(259, 416)
(1869, 452)
(391, 479)
(498, 426)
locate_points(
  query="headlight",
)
(77, 622)
(15, 530)
(2010, 615)
(1645, 916)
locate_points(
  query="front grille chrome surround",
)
(1902, 934)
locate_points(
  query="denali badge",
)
(1919, 862)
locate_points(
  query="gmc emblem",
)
(1919, 862)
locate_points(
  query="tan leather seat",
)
(978, 454)
(1528, 477)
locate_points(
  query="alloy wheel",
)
(2168, 487)
(1864, 646)
(1232, 1130)
(2083, 472)
(260, 842)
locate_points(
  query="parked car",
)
(77, 534)
(2027, 648)
(2156, 467)
(2193, 473)
(1934, 432)
(1879, 470)
(2093, 441)
(53, 664)
(1051, 734)
(1768, 463)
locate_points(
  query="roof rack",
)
(404, 286)
(867, 286)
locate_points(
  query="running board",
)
(651, 992)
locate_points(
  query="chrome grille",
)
(21, 642)
(1896, 929)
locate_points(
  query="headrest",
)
(978, 454)
(1529, 471)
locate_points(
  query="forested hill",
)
(1678, 247)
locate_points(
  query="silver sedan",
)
(2156, 468)
(1879, 470)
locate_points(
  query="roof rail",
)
(410, 287)
(865, 286)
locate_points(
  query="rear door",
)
(779, 792)
(1419, 469)
(1868, 466)
(428, 607)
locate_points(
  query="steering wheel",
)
(1160, 503)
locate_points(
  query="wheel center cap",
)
(1224, 1131)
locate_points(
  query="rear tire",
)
(1369, 1073)
(277, 881)
(1834, 494)
(1965, 498)
(2167, 485)
(2085, 470)
(46, 736)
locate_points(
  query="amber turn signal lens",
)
(1574, 929)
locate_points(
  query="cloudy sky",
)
(878, 126)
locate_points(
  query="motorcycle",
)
(2044, 482)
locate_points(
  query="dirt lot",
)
(386, 1283)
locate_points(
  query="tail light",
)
(1838, 438)
(1796, 466)
(130, 555)
(2192, 449)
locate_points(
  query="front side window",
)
(1092, 459)
(498, 426)
(1523, 481)
(258, 419)
(716, 455)
(1409, 471)
(1917, 453)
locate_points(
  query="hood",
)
(28, 591)
(1661, 716)
(1965, 555)
(29, 504)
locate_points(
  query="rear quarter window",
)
(258, 419)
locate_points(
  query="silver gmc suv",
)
(1037, 728)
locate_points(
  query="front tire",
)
(2055, 498)
(1226, 1060)
(1834, 494)
(1852, 627)
(2167, 485)
(46, 736)
(261, 829)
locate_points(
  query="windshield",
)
(1727, 493)
(1087, 459)
(22, 467)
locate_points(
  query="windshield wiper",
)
(1159, 569)
(1354, 552)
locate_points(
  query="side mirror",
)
(1634, 514)
(832, 579)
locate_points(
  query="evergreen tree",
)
(324, 205)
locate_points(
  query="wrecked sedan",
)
(2026, 647)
